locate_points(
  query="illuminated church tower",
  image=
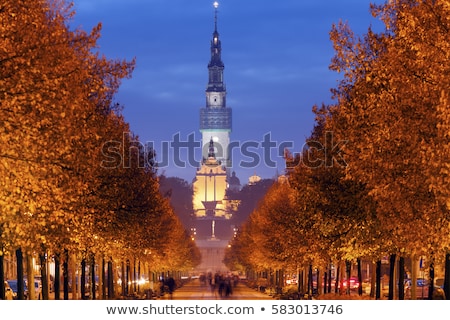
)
(211, 207)
(215, 117)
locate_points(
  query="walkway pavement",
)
(193, 290)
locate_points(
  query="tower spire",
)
(211, 153)
(216, 5)
(215, 64)
(215, 117)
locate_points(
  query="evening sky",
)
(276, 56)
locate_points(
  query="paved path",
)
(194, 291)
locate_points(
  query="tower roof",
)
(211, 161)
(216, 47)
(211, 153)
(234, 180)
(254, 179)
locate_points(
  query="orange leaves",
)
(392, 109)
(399, 107)
(50, 128)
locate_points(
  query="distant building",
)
(254, 179)
(234, 184)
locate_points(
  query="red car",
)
(354, 283)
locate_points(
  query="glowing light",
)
(216, 4)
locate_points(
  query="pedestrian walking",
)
(171, 286)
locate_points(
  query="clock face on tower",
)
(215, 100)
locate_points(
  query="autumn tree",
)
(245, 252)
(56, 93)
(76, 184)
(391, 197)
(391, 105)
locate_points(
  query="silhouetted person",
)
(171, 286)
(228, 287)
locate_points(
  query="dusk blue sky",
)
(276, 56)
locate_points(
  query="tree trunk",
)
(431, 284)
(401, 278)
(325, 281)
(360, 280)
(348, 270)
(446, 277)
(341, 277)
(2, 276)
(373, 279)
(57, 280)
(329, 278)
(378, 280)
(310, 280)
(128, 273)
(44, 278)
(396, 277)
(338, 278)
(30, 277)
(110, 280)
(83, 279)
(276, 276)
(414, 271)
(391, 276)
(93, 282)
(20, 286)
(133, 277)
(73, 276)
(123, 277)
(139, 277)
(318, 288)
(103, 279)
(66, 274)
(300, 285)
